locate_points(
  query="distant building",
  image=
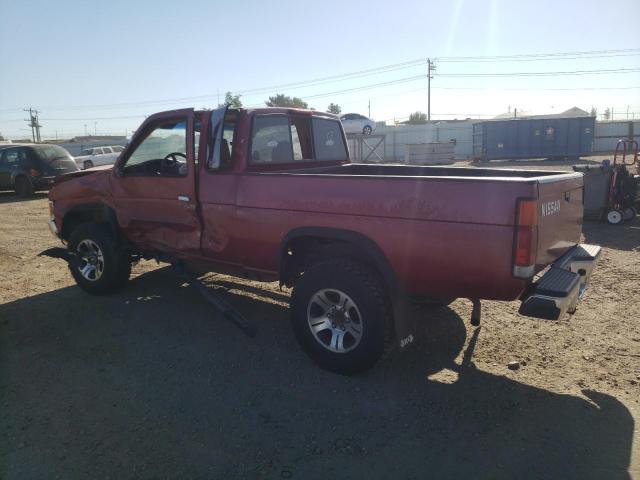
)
(573, 112)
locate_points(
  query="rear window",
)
(327, 140)
(49, 153)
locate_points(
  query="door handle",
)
(183, 198)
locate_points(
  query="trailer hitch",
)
(227, 311)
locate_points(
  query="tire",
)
(629, 213)
(95, 246)
(87, 164)
(365, 329)
(366, 130)
(614, 217)
(23, 187)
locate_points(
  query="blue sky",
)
(107, 64)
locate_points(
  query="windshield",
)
(49, 153)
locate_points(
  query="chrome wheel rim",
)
(91, 260)
(334, 320)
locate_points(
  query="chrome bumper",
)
(563, 285)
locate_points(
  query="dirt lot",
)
(152, 383)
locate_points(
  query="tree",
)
(417, 118)
(282, 100)
(607, 113)
(594, 112)
(231, 100)
(334, 108)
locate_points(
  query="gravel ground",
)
(152, 383)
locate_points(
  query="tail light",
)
(526, 240)
(34, 172)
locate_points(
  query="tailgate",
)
(560, 210)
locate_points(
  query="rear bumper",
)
(561, 287)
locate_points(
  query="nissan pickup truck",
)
(270, 194)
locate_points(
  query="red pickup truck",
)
(270, 193)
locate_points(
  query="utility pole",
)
(430, 68)
(34, 123)
(85, 129)
(95, 129)
(370, 108)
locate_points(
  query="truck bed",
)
(444, 229)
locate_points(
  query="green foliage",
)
(282, 100)
(417, 118)
(334, 108)
(232, 100)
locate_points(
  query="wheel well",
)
(94, 213)
(308, 245)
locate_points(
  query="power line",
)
(373, 71)
(545, 56)
(542, 74)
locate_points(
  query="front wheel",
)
(87, 164)
(366, 130)
(99, 265)
(341, 316)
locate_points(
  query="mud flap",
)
(404, 329)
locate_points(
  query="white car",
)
(356, 123)
(94, 156)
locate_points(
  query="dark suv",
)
(27, 168)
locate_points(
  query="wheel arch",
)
(88, 213)
(301, 244)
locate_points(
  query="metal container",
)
(597, 181)
(433, 153)
(533, 138)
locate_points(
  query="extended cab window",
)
(280, 139)
(327, 140)
(271, 140)
(162, 153)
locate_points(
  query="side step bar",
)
(563, 285)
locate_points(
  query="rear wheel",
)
(87, 164)
(100, 265)
(341, 316)
(23, 187)
(366, 130)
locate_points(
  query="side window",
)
(163, 152)
(271, 140)
(106, 150)
(220, 156)
(328, 141)
(117, 149)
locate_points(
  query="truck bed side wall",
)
(441, 237)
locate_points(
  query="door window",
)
(163, 152)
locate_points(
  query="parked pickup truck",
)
(96, 156)
(269, 193)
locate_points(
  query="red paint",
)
(445, 232)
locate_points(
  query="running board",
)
(217, 301)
